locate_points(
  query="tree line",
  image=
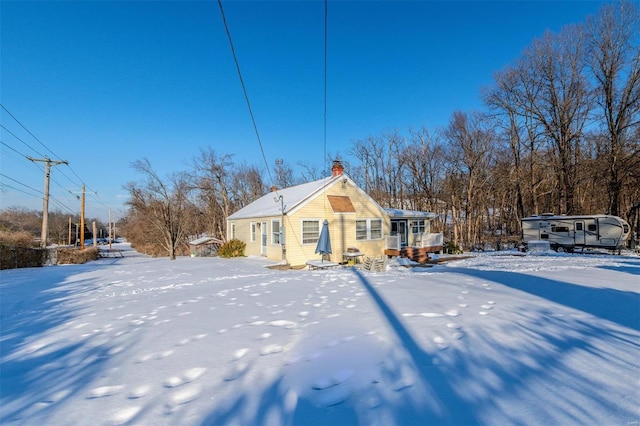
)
(63, 228)
(560, 133)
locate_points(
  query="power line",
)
(13, 149)
(20, 183)
(244, 89)
(26, 144)
(18, 189)
(324, 136)
(80, 180)
(29, 131)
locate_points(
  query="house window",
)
(253, 231)
(417, 226)
(275, 232)
(310, 231)
(376, 229)
(368, 229)
(233, 231)
(361, 229)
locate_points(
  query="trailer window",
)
(544, 236)
(625, 228)
(591, 227)
(559, 229)
(578, 226)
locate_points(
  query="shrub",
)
(75, 256)
(18, 239)
(232, 248)
(452, 248)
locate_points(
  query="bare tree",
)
(310, 172)
(163, 204)
(562, 102)
(614, 61)
(381, 167)
(471, 140)
(284, 175)
(423, 158)
(247, 185)
(213, 180)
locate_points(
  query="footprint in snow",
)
(53, 398)
(236, 370)
(271, 349)
(188, 376)
(458, 335)
(103, 391)
(139, 392)
(125, 415)
(186, 394)
(431, 315)
(441, 342)
(282, 323)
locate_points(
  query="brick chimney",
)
(337, 169)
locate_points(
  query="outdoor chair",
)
(373, 264)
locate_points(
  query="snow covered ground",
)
(495, 339)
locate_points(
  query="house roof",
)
(409, 214)
(269, 205)
(205, 240)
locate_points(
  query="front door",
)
(263, 249)
(579, 234)
(399, 227)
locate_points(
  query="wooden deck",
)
(417, 254)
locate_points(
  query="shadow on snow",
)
(613, 305)
(39, 368)
(528, 362)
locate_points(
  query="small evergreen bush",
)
(232, 248)
(452, 248)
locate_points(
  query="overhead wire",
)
(244, 89)
(29, 131)
(22, 183)
(79, 182)
(324, 113)
(6, 185)
(25, 144)
(324, 136)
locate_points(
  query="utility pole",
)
(109, 229)
(82, 220)
(45, 203)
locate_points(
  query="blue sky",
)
(103, 84)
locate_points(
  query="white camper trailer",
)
(565, 233)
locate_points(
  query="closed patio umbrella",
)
(324, 242)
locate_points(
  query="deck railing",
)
(428, 239)
(393, 242)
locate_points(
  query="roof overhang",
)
(409, 214)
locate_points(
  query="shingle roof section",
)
(269, 205)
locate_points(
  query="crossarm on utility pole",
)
(45, 201)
